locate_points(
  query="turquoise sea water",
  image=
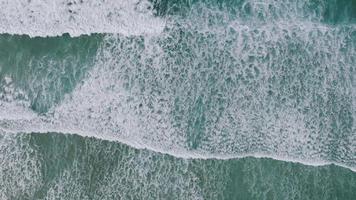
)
(245, 99)
(57, 166)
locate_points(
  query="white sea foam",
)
(129, 96)
(44, 125)
(77, 17)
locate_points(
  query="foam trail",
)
(44, 125)
(52, 18)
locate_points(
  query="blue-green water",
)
(245, 99)
(57, 166)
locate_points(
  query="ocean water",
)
(190, 99)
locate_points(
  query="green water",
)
(46, 67)
(71, 167)
(215, 106)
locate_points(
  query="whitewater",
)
(196, 80)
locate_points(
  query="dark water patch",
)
(340, 11)
(326, 11)
(45, 68)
